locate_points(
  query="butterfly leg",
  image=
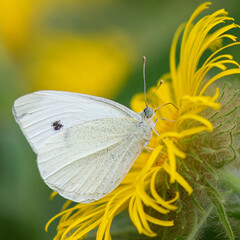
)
(155, 131)
(149, 149)
(153, 128)
(166, 119)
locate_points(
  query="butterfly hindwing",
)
(87, 161)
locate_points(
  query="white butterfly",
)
(85, 145)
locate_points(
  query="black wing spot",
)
(57, 125)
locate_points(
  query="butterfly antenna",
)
(160, 83)
(144, 80)
(165, 105)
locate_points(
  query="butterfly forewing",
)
(46, 113)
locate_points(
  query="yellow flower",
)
(154, 190)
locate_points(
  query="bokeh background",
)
(85, 46)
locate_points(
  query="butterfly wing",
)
(44, 114)
(87, 161)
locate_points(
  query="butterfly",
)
(85, 145)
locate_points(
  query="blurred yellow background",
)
(93, 47)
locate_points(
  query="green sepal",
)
(216, 199)
(197, 204)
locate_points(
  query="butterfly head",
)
(147, 112)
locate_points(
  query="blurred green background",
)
(93, 47)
